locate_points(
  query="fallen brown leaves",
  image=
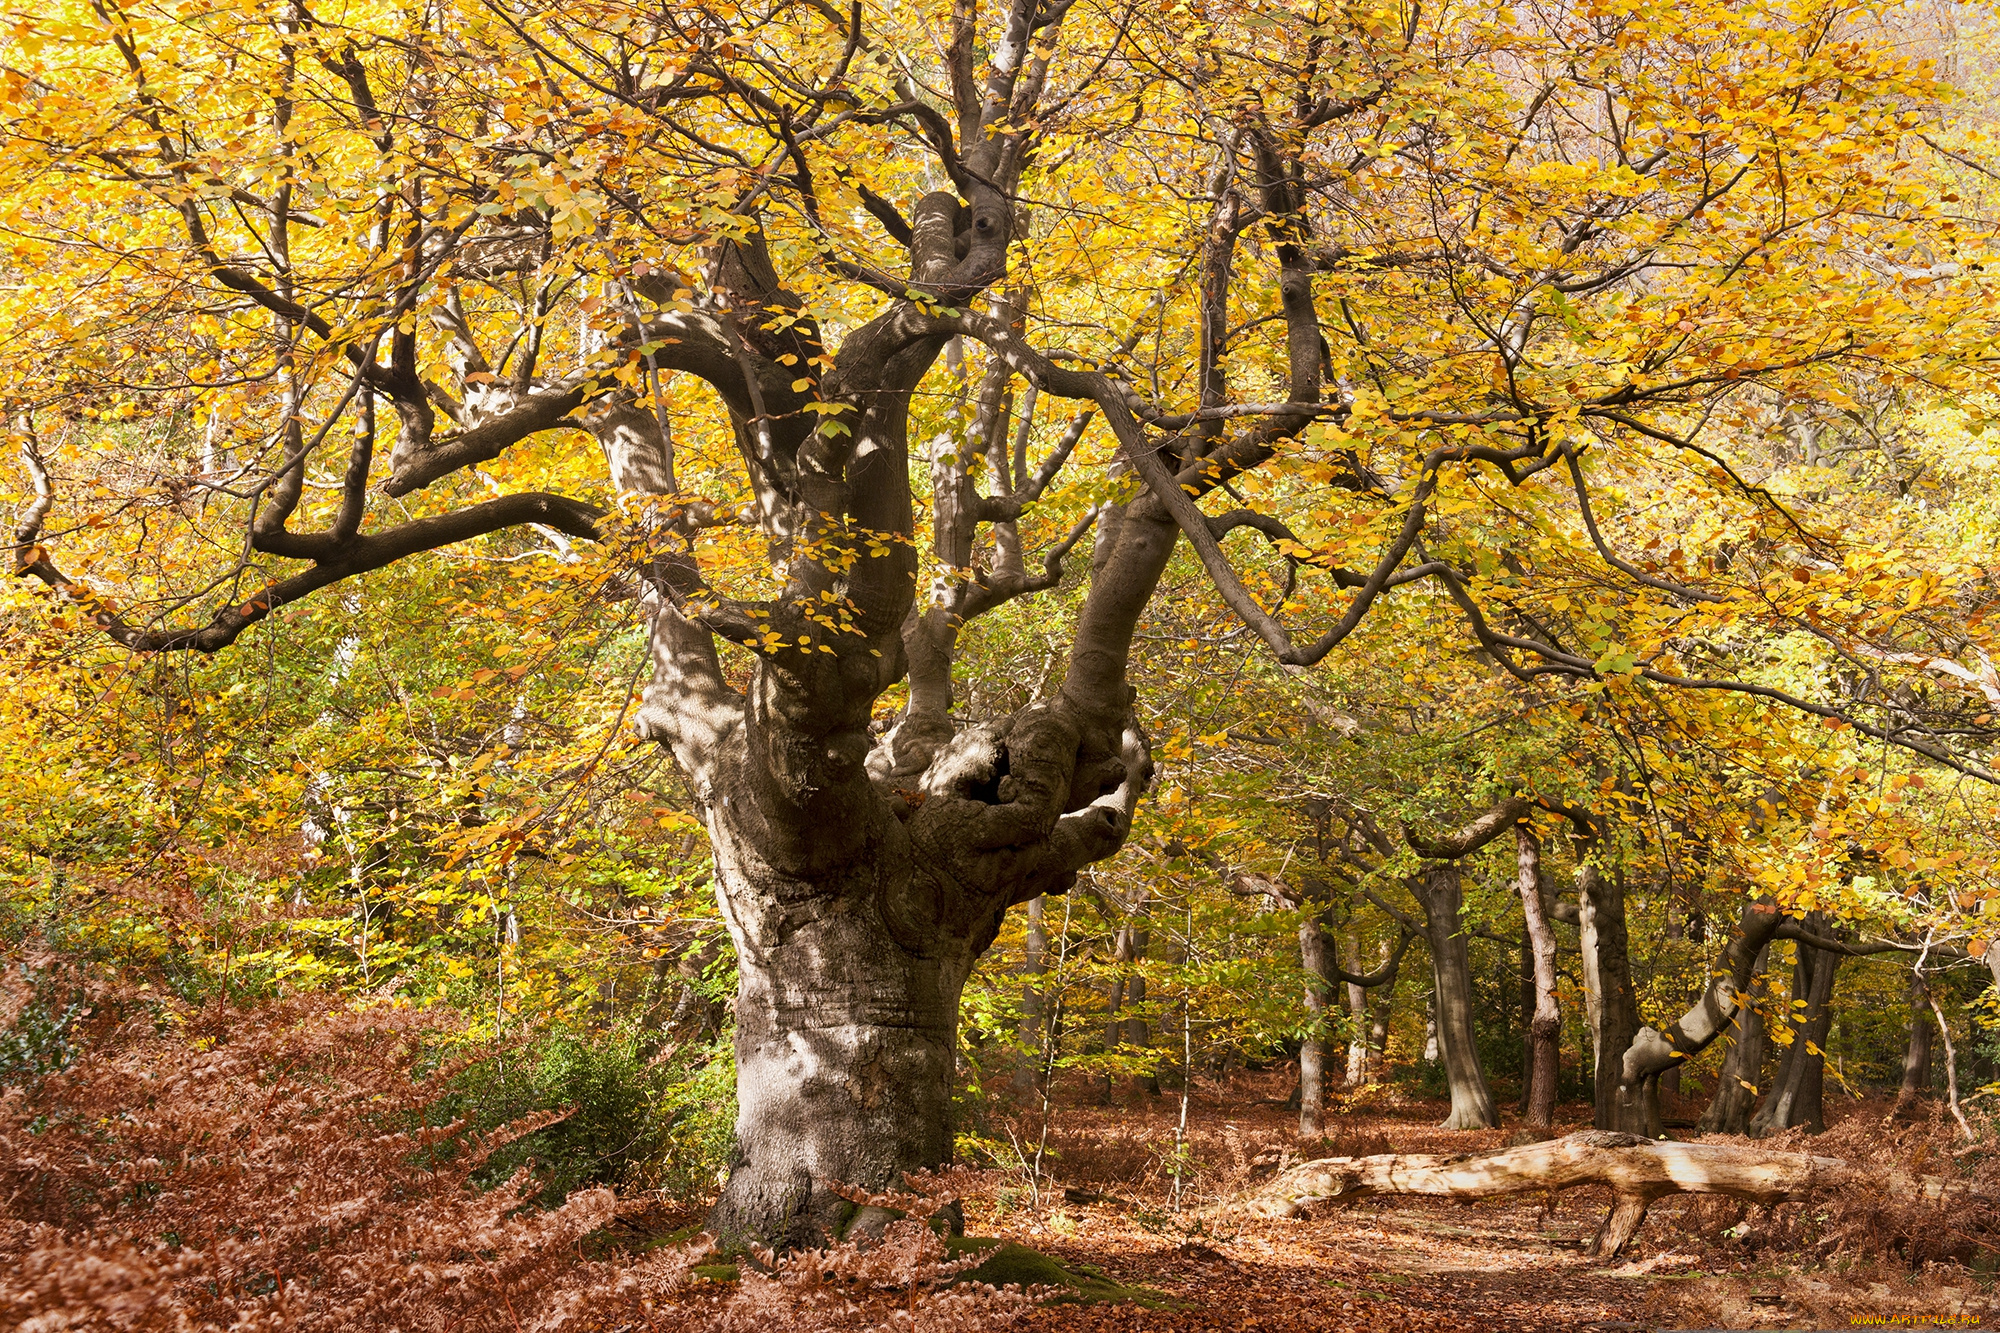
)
(277, 1169)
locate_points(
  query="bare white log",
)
(1637, 1170)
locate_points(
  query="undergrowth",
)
(307, 1164)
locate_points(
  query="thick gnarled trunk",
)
(856, 919)
(860, 878)
(846, 1032)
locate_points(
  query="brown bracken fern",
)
(280, 1166)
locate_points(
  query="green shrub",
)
(699, 1112)
(634, 1122)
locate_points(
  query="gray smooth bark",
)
(1358, 1071)
(1739, 1085)
(1316, 960)
(1795, 1101)
(1545, 1028)
(1034, 1016)
(1614, 1012)
(1916, 1081)
(1651, 1052)
(1441, 893)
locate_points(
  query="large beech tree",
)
(875, 314)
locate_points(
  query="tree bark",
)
(1034, 965)
(1380, 1009)
(1137, 1032)
(1651, 1052)
(1357, 1012)
(1526, 979)
(1637, 1170)
(1316, 959)
(845, 1041)
(1736, 1090)
(1441, 893)
(1128, 992)
(1607, 979)
(1545, 1028)
(1795, 1101)
(1917, 1054)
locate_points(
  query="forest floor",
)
(1415, 1265)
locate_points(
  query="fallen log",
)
(1637, 1170)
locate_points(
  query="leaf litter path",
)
(1408, 1267)
(1396, 1265)
(1393, 1265)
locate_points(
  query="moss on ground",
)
(1076, 1284)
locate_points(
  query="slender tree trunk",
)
(1357, 1012)
(1442, 895)
(1736, 1090)
(1316, 958)
(1114, 999)
(1034, 1009)
(1526, 979)
(1122, 953)
(1136, 1032)
(1795, 1100)
(1762, 1122)
(1380, 1008)
(1917, 1055)
(1607, 968)
(1545, 1028)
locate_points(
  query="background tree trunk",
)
(1917, 1055)
(1316, 958)
(1736, 1089)
(1380, 1009)
(1034, 1016)
(1526, 978)
(1652, 1052)
(1795, 1100)
(1607, 971)
(1133, 1031)
(1124, 948)
(1545, 1029)
(1357, 1012)
(1441, 893)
